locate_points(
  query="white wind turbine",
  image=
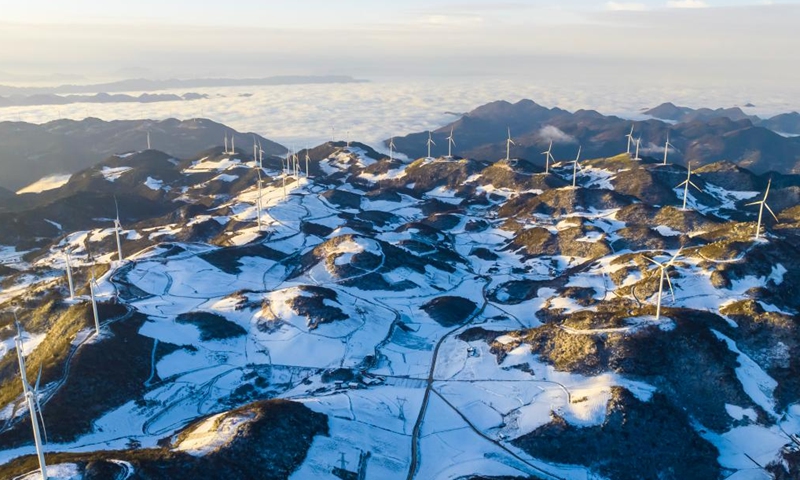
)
(32, 399)
(664, 274)
(226, 143)
(429, 143)
(509, 142)
(308, 158)
(258, 200)
(575, 166)
(148, 140)
(548, 155)
(686, 183)
(391, 149)
(629, 136)
(451, 142)
(666, 149)
(638, 143)
(117, 231)
(762, 204)
(68, 261)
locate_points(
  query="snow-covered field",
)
(423, 399)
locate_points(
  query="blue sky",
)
(376, 37)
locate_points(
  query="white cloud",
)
(556, 135)
(687, 4)
(626, 6)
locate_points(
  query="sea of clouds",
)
(307, 115)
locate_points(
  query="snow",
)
(112, 174)
(476, 406)
(153, 184)
(61, 471)
(666, 231)
(50, 182)
(212, 434)
(205, 165)
(757, 384)
(29, 343)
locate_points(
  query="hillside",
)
(701, 139)
(32, 152)
(367, 318)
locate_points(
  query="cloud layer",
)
(311, 114)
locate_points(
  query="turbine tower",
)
(69, 274)
(32, 400)
(391, 149)
(148, 140)
(430, 142)
(575, 166)
(666, 149)
(308, 157)
(226, 143)
(94, 304)
(685, 184)
(629, 136)
(762, 204)
(233, 144)
(450, 144)
(664, 274)
(548, 155)
(638, 143)
(509, 142)
(258, 200)
(117, 230)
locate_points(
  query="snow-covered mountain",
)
(444, 318)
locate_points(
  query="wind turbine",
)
(391, 149)
(32, 399)
(258, 201)
(117, 230)
(69, 275)
(450, 144)
(638, 143)
(347, 137)
(255, 149)
(148, 140)
(762, 204)
(664, 273)
(548, 156)
(509, 142)
(575, 166)
(430, 142)
(226, 143)
(666, 149)
(233, 144)
(629, 136)
(308, 157)
(685, 184)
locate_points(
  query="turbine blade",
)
(771, 212)
(754, 203)
(654, 262)
(669, 282)
(695, 186)
(681, 184)
(38, 380)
